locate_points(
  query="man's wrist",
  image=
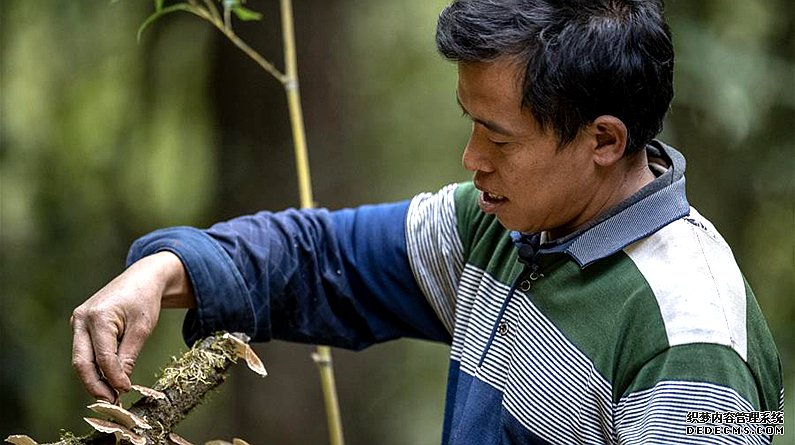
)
(177, 290)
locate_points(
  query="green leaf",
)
(246, 14)
(157, 14)
(159, 5)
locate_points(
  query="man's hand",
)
(111, 327)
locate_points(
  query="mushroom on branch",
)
(119, 415)
(244, 351)
(149, 392)
(20, 439)
(106, 426)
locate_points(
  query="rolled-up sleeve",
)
(223, 300)
(339, 278)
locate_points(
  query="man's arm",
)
(340, 278)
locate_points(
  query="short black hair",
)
(583, 58)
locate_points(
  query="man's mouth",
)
(490, 202)
(493, 197)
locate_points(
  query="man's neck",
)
(627, 178)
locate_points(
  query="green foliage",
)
(243, 13)
(208, 12)
(246, 14)
(160, 11)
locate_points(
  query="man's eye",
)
(498, 143)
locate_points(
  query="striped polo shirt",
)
(610, 335)
(629, 331)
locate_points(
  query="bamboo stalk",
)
(289, 80)
(322, 356)
(294, 104)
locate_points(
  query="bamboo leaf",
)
(160, 13)
(246, 14)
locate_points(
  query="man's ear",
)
(610, 135)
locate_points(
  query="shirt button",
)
(503, 328)
(525, 285)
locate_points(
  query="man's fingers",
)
(131, 344)
(83, 362)
(105, 343)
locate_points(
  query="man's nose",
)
(475, 157)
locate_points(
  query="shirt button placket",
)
(527, 283)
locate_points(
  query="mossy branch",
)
(181, 386)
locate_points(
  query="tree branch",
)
(182, 385)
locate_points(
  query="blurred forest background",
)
(104, 139)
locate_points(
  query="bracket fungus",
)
(234, 441)
(181, 386)
(176, 439)
(108, 427)
(148, 392)
(244, 351)
(119, 415)
(20, 439)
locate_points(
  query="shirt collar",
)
(651, 208)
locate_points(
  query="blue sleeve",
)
(337, 278)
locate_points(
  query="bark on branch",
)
(182, 385)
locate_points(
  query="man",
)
(584, 299)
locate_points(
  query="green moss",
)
(197, 364)
(69, 438)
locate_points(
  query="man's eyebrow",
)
(491, 125)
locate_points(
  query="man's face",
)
(524, 179)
